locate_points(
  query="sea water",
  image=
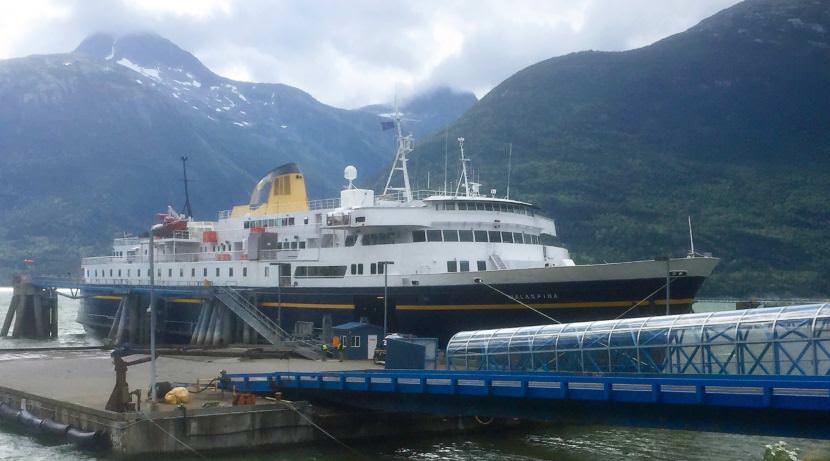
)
(537, 442)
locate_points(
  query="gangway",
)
(766, 367)
(249, 314)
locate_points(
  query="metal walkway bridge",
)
(765, 370)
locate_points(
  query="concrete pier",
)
(80, 382)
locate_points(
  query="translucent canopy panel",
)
(790, 340)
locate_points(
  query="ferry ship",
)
(428, 263)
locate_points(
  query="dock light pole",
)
(668, 280)
(385, 265)
(153, 395)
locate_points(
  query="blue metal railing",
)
(772, 392)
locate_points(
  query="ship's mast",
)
(463, 179)
(187, 210)
(404, 147)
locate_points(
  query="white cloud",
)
(17, 19)
(196, 9)
(361, 51)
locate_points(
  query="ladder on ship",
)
(267, 328)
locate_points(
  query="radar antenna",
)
(404, 147)
(186, 208)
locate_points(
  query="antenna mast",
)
(187, 210)
(463, 178)
(509, 166)
(446, 134)
(404, 147)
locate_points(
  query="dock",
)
(72, 387)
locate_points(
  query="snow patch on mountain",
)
(152, 73)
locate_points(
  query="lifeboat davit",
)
(168, 224)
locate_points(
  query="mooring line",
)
(175, 438)
(643, 300)
(336, 440)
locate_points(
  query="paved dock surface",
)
(87, 377)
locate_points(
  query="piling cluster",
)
(33, 312)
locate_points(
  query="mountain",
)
(726, 122)
(429, 111)
(90, 144)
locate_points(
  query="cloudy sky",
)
(356, 52)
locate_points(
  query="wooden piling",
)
(21, 313)
(211, 324)
(133, 319)
(217, 332)
(227, 327)
(194, 337)
(7, 323)
(53, 317)
(246, 334)
(116, 320)
(40, 319)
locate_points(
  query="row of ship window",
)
(299, 271)
(374, 268)
(464, 266)
(486, 206)
(274, 222)
(118, 272)
(473, 236)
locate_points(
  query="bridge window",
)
(464, 266)
(360, 269)
(379, 239)
(434, 235)
(170, 273)
(181, 272)
(450, 235)
(217, 272)
(507, 237)
(452, 266)
(158, 272)
(517, 237)
(481, 236)
(465, 235)
(230, 272)
(482, 265)
(353, 269)
(119, 272)
(381, 266)
(350, 240)
(266, 271)
(192, 272)
(495, 236)
(373, 268)
(490, 207)
(419, 236)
